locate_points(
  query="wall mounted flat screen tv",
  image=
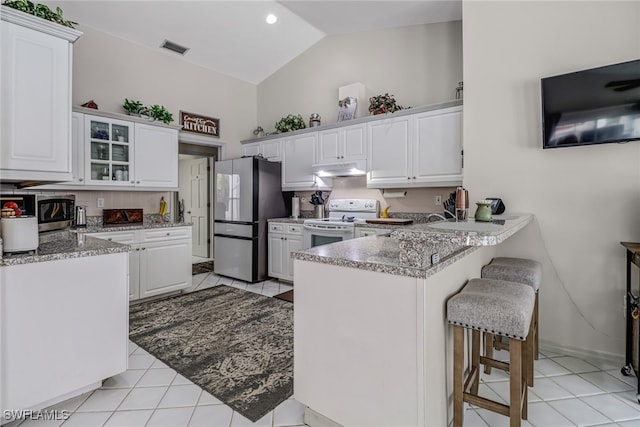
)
(595, 106)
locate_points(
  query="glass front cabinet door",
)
(108, 151)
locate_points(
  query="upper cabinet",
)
(420, 150)
(270, 149)
(156, 156)
(112, 153)
(299, 155)
(36, 98)
(437, 156)
(342, 144)
(108, 151)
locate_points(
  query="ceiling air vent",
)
(174, 47)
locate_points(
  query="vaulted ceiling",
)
(232, 37)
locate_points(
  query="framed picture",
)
(347, 109)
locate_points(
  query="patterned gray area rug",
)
(235, 344)
(201, 267)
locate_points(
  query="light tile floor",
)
(568, 391)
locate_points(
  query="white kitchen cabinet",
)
(419, 150)
(270, 149)
(342, 144)
(64, 328)
(156, 156)
(36, 71)
(437, 156)
(284, 238)
(109, 154)
(299, 154)
(389, 144)
(159, 260)
(165, 267)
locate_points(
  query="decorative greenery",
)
(290, 123)
(40, 10)
(158, 112)
(132, 107)
(384, 103)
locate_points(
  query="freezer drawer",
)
(231, 229)
(235, 257)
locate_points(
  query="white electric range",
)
(340, 225)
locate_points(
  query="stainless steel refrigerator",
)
(247, 192)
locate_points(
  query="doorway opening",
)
(193, 200)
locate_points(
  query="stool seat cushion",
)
(519, 270)
(496, 306)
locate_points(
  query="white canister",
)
(295, 207)
(19, 233)
(119, 175)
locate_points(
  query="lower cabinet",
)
(284, 238)
(64, 329)
(159, 260)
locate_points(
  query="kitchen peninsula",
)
(372, 345)
(63, 318)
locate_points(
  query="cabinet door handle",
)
(144, 249)
(110, 239)
(81, 179)
(408, 177)
(168, 234)
(137, 182)
(133, 182)
(414, 177)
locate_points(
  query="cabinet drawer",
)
(294, 228)
(276, 227)
(126, 237)
(168, 233)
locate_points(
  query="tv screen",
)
(594, 106)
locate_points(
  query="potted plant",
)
(134, 108)
(40, 10)
(290, 123)
(158, 112)
(381, 104)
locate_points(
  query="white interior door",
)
(193, 190)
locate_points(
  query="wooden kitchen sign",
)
(200, 124)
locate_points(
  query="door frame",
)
(205, 146)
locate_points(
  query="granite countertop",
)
(61, 245)
(145, 225)
(409, 249)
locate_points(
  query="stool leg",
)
(475, 359)
(515, 382)
(488, 350)
(458, 368)
(535, 328)
(528, 356)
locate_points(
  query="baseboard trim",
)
(596, 356)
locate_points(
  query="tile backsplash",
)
(149, 201)
(416, 200)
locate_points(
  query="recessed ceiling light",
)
(271, 18)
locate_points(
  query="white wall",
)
(585, 199)
(108, 69)
(420, 65)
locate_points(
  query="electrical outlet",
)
(437, 200)
(435, 258)
(100, 202)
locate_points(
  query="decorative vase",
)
(483, 213)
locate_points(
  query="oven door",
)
(324, 234)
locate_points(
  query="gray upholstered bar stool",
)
(504, 309)
(519, 270)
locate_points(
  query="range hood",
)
(347, 168)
